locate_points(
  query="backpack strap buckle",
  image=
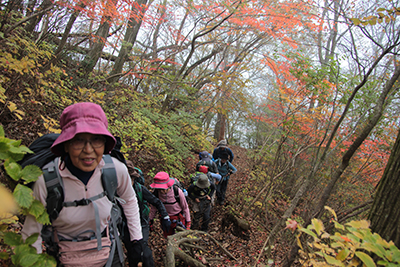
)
(82, 202)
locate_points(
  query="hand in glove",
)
(137, 246)
(188, 224)
(166, 224)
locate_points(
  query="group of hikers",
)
(96, 201)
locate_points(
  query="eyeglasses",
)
(95, 142)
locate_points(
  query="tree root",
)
(183, 243)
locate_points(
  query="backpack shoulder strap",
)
(109, 177)
(55, 189)
(176, 193)
(138, 190)
(109, 181)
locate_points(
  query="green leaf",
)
(4, 255)
(2, 133)
(37, 208)
(31, 173)
(338, 225)
(25, 255)
(395, 254)
(371, 247)
(311, 233)
(13, 170)
(23, 195)
(343, 254)
(332, 261)
(32, 239)
(365, 259)
(13, 239)
(45, 260)
(43, 218)
(353, 238)
(4, 148)
(337, 245)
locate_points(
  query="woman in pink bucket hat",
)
(174, 201)
(82, 231)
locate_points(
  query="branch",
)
(26, 19)
(181, 239)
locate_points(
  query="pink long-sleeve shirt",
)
(172, 209)
(76, 220)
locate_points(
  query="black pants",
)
(221, 190)
(205, 212)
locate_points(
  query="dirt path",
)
(246, 249)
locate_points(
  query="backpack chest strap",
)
(85, 202)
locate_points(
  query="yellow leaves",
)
(258, 204)
(318, 226)
(384, 15)
(11, 106)
(331, 211)
(8, 205)
(362, 224)
(14, 109)
(50, 124)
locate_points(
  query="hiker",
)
(221, 149)
(225, 168)
(174, 201)
(200, 193)
(201, 155)
(212, 177)
(210, 164)
(83, 231)
(144, 197)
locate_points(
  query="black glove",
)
(137, 246)
(166, 224)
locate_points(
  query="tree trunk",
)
(219, 129)
(374, 118)
(129, 39)
(30, 26)
(384, 214)
(100, 38)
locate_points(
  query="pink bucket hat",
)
(83, 117)
(162, 181)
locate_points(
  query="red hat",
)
(162, 181)
(203, 169)
(83, 117)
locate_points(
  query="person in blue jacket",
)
(221, 149)
(225, 169)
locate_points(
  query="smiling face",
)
(86, 158)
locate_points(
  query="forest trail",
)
(246, 248)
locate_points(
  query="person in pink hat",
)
(80, 147)
(176, 206)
